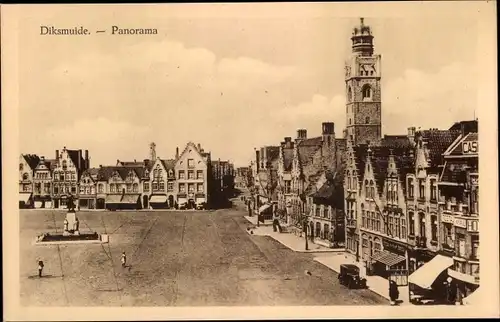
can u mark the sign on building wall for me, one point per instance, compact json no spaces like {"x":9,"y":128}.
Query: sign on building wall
{"x":470,"y":147}
{"x":393,"y":246}
{"x":447,"y":219}
{"x":460,"y":222}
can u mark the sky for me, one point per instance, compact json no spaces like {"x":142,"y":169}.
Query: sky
{"x":230,"y":77}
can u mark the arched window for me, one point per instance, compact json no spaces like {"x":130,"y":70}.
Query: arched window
{"x":367,"y":92}
{"x":25,"y":176}
{"x":21,"y":167}
{"x":349,"y":94}
{"x":64,"y":163}
{"x":372,"y":189}
{"x":135,"y":187}
{"x":101,"y":188}
{"x":348,"y":180}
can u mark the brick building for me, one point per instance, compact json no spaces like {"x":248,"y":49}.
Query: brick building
{"x":458,"y":187}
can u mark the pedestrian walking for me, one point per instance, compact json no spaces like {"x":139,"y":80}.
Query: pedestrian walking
{"x":40,"y":268}
{"x":124,"y":260}
{"x":393,"y":292}
{"x":276,"y":222}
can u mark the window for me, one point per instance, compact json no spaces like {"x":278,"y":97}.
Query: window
{"x":146,"y":186}
{"x":200,"y":187}
{"x":190,"y":174}
{"x":182,"y":187}
{"x":367,"y":92}
{"x":55,"y":176}
{"x":377,"y":247}
{"x":191,"y":188}
{"x":317,"y":211}
{"x":181,"y":174}
{"x":412,"y":223}
{"x":73,"y":177}
{"x":46,"y":187}
{"x":25,"y":176}
{"x":135,"y":187}
{"x":199,"y":174}
{"x":129,"y":187}
{"x":475,"y":247}
{"x":474,"y":201}
{"x":100,"y":188}
{"x":403,"y":228}
{"x":422,"y":224}
{"x":410,"y":188}
{"x":372,"y":190}
{"x":162,"y":186}
{"x":92,"y":189}
{"x":433,"y":189}
{"x":56,"y":190}
{"x":155,"y":186}
{"x":112,"y":187}
{"x":61,"y":176}
{"x":73,"y":189}
{"x":367,"y":120}
{"x":461,"y":245}
{"x":434,"y":228}
{"x":82,"y":189}
{"x":325,"y":212}
{"x":326,"y":232}
{"x":421,"y":188}
{"x":170,"y":186}
{"x":349,"y":94}
{"x":21,"y":167}
{"x":64,"y":164}
{"x":190,"y":163}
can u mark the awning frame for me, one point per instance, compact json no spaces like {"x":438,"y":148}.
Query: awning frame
{"x":427,"y":274}
{"x":387,"y":258}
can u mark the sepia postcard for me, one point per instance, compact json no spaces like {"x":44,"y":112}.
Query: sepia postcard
{"x":249,"y":161}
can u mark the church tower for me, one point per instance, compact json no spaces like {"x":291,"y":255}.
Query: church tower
{"x":363,"y":97}
{"x":152,"y":151}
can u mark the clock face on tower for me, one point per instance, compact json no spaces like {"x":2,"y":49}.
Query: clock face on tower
{"x":367,"y":70}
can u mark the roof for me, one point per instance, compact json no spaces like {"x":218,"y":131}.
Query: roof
{"x":467,"y":126}
{"x":395,"y":141}
{"x":92,"y":172}
{"x":437,"y":142}
{"x":306,"y":149}
{"x":457,"y":148}
{"x":331,"y":192}
{"x":169,"y":164}
{"x":360,"y":153}
{"x":73,"y":155}
{"x":32,"y":160}
{"x":131,"y":164}
{"x":105,"y":172}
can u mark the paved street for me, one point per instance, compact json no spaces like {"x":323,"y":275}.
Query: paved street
{"x":175,"y":259}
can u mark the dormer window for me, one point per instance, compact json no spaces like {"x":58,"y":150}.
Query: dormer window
{"x":64,"y":164}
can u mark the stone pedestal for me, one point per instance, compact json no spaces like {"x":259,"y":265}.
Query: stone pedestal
{"x":66,"y":233}
{"x":76,"y":233}
{"x":71,"y":218}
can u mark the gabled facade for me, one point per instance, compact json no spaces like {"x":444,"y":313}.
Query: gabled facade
{"x":88,"y":189}
{"x":192,"y":176}
{"x":27,"y":165}
{"x":43,"y":183}
{"x":70,"y":164}
{"x":284,"y":175}
{"x":163,"y":187}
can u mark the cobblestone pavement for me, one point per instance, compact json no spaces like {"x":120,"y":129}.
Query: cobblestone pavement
{"x":174,"y":259}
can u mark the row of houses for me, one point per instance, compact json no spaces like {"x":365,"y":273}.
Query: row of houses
{"x":189,"y":180}
{"x":404,"y":206}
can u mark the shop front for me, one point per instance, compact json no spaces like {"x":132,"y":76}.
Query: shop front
{"x":42,"y":202}
{"x":158,"y":201}
{"x":390,"y":262}
{"x":431,"y":280}
{"x":25,"y":200}
{"x":466,"y":284}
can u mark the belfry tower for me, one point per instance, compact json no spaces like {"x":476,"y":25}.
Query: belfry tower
{"x":363,"y":91}
{"x":152,"y":151}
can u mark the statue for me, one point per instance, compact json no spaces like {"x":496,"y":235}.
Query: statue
{"x":71,"y":203}
{"x":76,"y":224}
{"x":66,"y":225}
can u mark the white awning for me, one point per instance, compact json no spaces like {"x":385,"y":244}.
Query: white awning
{"x":427,"y":274}
{"x":200,"y":199}
{"x":472,"y":299}
{"x":463,"y":277}
{"x":24,"y":197}
{"x":158,"y":199}
{"x":264,"y":207}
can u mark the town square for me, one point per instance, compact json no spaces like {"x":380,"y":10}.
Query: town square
{"x":260,"y":162}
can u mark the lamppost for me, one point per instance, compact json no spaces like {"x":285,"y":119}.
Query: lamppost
{"x":304,"y":219}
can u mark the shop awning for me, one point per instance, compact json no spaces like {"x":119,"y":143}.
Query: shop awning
{"x":130,"y":198}
{"x":388,"y":258}
{"x":158,"y":199}
{"x":427,"y":274}
{"x":474,"y":298}
{"x":113,"y":199}
{"x":200,"y":199}
{"x":264,"y":208}
{"x":463,"y":277}
{"x":24,"y":197}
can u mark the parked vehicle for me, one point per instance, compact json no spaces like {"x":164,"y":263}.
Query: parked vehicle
{"x":349,"y":276}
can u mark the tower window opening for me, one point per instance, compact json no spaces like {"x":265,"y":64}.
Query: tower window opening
{"x":367,"y":92}
{"x":371,"y":72}
{"x":367,"y":120}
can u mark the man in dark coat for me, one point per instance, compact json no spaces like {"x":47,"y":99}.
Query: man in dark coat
{"x":393,"y":292}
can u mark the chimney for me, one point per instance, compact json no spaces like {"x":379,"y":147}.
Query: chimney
{"x":301,"y":134}
{"x":117,"y":162}
{"x":87,"y":162}
{"x":100,"y":165}
{"x":42,"y":158}
{"x":411,"y":134}
{"x":57,"y":155}
{"x":328,"y":128}
{"x":177,"y":153}
{"x":80,"y":160}
{"x":199,"y":147}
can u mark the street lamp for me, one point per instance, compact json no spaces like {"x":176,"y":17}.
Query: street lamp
{"x":304,"y":219}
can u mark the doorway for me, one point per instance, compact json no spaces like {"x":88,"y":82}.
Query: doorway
{"x":145,"y":202}
{"x":171,"y":201}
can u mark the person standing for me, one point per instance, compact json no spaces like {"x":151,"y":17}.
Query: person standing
{"x":40,"y":268}
{"x":393,"y":292}
{"x":124,"y":260}
{"x":276,"y":222}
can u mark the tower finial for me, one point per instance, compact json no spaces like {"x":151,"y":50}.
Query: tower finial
{"x":362,"y":21}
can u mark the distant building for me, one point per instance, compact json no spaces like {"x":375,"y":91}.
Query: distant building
{"x":43,"y":183}
{"x":27,"y":166}
{"x":241,"y":177}
{"x":88,"y":189}
{"x":163,"y":192}
{"x":69,"y":166}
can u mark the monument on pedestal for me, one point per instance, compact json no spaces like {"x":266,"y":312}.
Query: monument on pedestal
{"x":71,"y":223}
